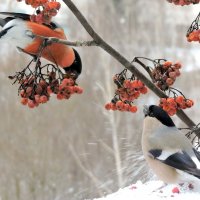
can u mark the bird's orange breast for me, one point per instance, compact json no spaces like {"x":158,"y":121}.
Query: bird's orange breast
{"x":56,"y":53}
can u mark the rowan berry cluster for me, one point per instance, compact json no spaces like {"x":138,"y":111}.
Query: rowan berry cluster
{"x":164,"y":75}
{"x":172,"y":105}
{"x":45,"y":10}
{"x":37,"y":87}
{"x":183,"y":2}
{"x":127,"y":91}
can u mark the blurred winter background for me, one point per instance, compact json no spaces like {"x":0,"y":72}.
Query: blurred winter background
{"x":75,"y":149}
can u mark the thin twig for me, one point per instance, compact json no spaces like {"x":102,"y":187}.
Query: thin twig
{"x":146,"y":68}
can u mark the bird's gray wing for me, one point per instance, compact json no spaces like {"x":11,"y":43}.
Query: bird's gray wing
{"x":180,"y":160}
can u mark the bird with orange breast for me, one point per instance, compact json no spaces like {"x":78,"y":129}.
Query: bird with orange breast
{"x":16,"y":28}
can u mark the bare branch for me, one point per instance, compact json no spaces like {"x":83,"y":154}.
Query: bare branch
{"x":69,"y":43}
{"x":50,"y":40}
{"x":121,"y":59}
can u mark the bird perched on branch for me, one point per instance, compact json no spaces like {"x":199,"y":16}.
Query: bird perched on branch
{"x":167,"y":151}
{"x":16,"y":28}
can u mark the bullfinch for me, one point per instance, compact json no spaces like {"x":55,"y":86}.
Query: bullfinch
{"x":168,"y":152}
{"x":16,"y":28}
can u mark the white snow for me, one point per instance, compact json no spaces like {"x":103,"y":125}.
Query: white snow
{"x":156,"y":190}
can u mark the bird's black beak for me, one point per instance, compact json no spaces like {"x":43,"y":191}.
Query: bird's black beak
{"x":146,"y":110}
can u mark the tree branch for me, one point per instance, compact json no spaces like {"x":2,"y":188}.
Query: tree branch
{"x":50,"y":40}
{"x":121,"y":59}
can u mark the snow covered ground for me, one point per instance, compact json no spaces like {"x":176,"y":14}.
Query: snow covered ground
{"x":152,"y":191}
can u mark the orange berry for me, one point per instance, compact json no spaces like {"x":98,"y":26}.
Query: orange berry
{"x":78,"y":89}
{"x":43,"y":99}
{"x":29,"y":91}
{"x":140,"y":84}
{"x":134,"y":84}
{"x":163,"y":100}
{"x":166,"y":107}
{"x":179,"y":99}
{"x":108,"y":106}
{"x":167,"y":64}
{"x":24,"y":101}
{"x":37,"y":98}
{"x":52,"y":5}
{"x":31,"y":103}
{"x":178,"y":73}
{"x":133,"y":109}
{"x":69,"y":90}
{"x":171,"y":112}
{"x":189,"y":103}
{"x":177,"y":65}
{"x":127,"y":107}
{"x":143,"y":90}
{"x":131,"y":98}
{"x":60,"y":96}
{"x":170,"y":100}
{"x":22,"y":93}
{"x":127,"y":84}
{"x":169,"y":81}
{"x":172,"y":75}
{"x":119,"y":104}
{"x":136,"y":94}
{"x":67,"y":96}
{"x":113,"y":106}
{"x":65,"y":82}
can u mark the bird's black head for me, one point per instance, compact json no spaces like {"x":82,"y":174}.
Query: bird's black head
{"x":76,"y":66}
{"x":159,"y":114}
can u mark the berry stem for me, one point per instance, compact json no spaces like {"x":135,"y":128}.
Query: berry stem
{"x":136,"y":59}
{"x":194,"y":26}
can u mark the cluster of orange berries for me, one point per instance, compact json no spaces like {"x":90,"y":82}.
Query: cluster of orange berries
{"x":194,"y":36}
{"x":183,"y":2}
{"x":171,"y":105}
{"x":33,"y":94}
{"x":36,"y":88}
{"x":121,"y":106}
{"x":164,"y":75}
{"x":127,"y":91}
{"x":50,"y":9}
